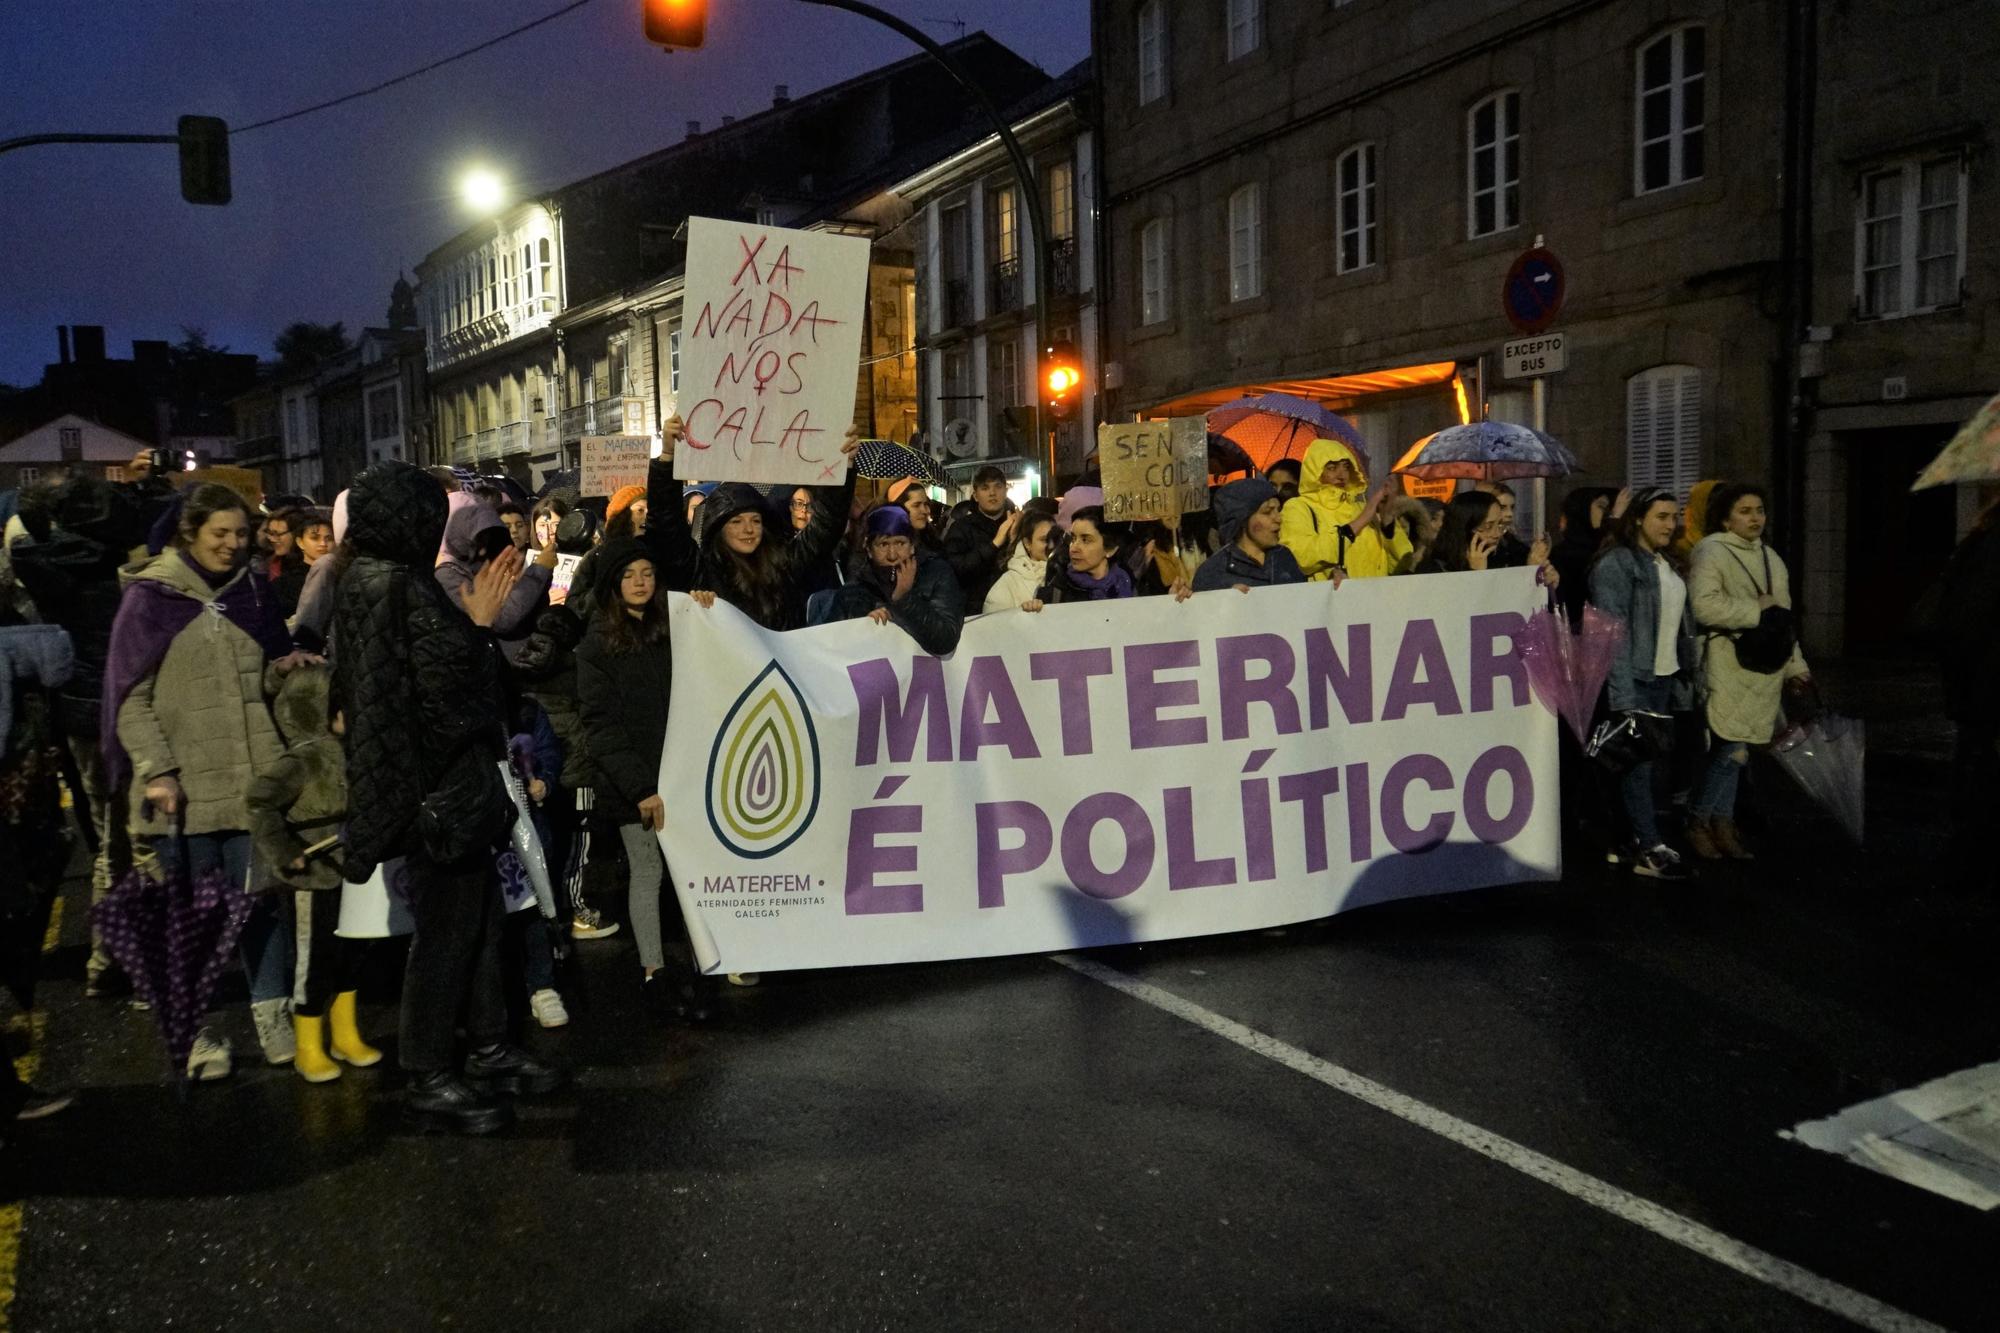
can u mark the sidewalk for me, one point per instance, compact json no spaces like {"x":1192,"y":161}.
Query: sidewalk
{"x":1902,"y":702}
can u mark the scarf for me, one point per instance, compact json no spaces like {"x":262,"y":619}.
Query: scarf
{"x":1115,"y":583}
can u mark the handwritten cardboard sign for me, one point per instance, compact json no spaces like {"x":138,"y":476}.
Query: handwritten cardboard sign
{"x":770,"y":352}
{"x":565,"y":571}
{"x":1153,"y":469}
{"x":611,"y":462}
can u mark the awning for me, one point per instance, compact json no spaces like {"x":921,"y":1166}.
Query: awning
{"x":1336,"y":391}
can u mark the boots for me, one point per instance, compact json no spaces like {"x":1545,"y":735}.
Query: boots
{"x":1701,"y":838}
{"x":309,"y":1035}
{"x":274,"y":1029}
{"x":444,"y":1101}
{"x":510,"y":1069}
{"x":1729,"y":840}
{"x":347,"y":1043}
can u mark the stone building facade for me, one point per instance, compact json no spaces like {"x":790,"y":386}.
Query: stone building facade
{"x":1327,"y":197}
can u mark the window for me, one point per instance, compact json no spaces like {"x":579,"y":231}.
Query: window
{"x":956,"y":241}
{"x":1663,"y":428}
{"x":1153,"y":272}
{"x":528,"y":272}
{"x":1062,"y":201}
{"x":1246,"y":27}
{"x":492,"y":283}
{"x":114,"y":472}
{"x":510,"y":287}
{"x":1246,"y":243}
{"x":1003,"y":371}
{"x":1152,"y":51}
{"x":1672,"y":112}
{"x":546,"y":284}
{"x":674,"y":361}
{"x":1354,"y":188}
{"x":957,"y":382}
{"x":383,"y":419}
{"x":1909,"y":237}
{"x":616,"y":375}
{"x":1493,"y":165}
{"x":69,"y":441}
{"x":1006,"y":225}
{"x":292,"y":422}
{"x":27,"y":476}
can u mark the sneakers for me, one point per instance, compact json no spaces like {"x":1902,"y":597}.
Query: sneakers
{"x":102,"y":979}
{"x":547,"y":1007}
{"x":210,"y":1058}
{"x":590,"y":925}
{"x":274,"y":1030}
{"x":1659,"y":862}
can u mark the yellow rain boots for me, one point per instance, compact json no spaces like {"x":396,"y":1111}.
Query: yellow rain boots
{"x":311,"y":1061}
{"x":347,"y":1043}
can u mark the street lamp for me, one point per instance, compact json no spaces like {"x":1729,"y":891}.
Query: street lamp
{"x":482,"y":190}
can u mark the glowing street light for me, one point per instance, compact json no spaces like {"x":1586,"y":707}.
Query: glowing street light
{"x":482,"y":190}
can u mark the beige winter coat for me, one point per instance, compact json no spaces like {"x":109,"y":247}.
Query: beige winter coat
{"x":201,"y":715}
{"x":1726,"y":580}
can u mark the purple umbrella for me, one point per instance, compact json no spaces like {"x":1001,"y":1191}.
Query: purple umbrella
{"x":1272,"y":426}
{"x":1486,"y":451}
{"x":173,"y":937}
{"x":1566,"y":670}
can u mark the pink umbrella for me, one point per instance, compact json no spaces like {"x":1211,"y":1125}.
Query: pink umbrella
{"x":1567,"y":670}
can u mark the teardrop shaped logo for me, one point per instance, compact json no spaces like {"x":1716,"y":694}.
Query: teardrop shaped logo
{"x":763,"y":771}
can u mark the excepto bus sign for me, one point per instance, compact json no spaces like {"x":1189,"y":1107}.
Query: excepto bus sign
{"x":1526,"y":358}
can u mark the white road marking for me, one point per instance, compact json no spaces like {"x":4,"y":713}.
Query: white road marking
{"x":1943,"y":1136}
{"x":1748,"y":1260}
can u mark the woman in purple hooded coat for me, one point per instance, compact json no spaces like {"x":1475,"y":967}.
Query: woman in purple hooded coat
{"x":197,"y":650}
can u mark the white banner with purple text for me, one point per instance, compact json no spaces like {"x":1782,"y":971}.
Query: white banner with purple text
{"x":1101,"y":773}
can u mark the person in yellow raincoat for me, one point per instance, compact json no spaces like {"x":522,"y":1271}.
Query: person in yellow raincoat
{"x":1331,"y":524}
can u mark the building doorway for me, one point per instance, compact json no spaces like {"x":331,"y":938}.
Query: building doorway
{"x":1898,"y":543}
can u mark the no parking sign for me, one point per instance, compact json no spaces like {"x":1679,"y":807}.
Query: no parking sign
{"x":1532,"y":295}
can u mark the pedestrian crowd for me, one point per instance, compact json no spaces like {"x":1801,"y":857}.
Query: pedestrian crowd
{"x":314,"y":704}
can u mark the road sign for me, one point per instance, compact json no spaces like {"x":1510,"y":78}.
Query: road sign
{"x":1543,"y":354}
{"x":1532,"y":296}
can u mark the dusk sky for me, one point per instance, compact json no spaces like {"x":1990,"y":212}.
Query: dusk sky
{"x":329,"y":207}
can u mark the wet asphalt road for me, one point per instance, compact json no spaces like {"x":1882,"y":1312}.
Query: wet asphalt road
{"x":1009,"y":1144}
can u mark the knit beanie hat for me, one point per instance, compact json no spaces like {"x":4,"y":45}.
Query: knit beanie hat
{"x":622,"y":499}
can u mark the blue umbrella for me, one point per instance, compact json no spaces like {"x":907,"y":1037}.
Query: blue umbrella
{"x":1272,"y":426}
{"x":1486,"y":451}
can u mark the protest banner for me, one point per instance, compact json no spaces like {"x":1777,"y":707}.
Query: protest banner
{"x":770,"y":352}
{"x":1101,"y":773}
{"x":612,"y":462}
{"x":1153,"y":469}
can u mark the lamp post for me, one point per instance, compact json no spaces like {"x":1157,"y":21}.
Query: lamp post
{"x":1024,"y":175}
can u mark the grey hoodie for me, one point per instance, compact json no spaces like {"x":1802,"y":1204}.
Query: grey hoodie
{"x":462,"y":534}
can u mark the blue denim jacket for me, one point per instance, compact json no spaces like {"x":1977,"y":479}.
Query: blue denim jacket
{"x":1624,"y":585}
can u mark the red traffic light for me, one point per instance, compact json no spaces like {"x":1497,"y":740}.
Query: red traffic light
{"x":1062,"y":380}
{"x":676,"y":24}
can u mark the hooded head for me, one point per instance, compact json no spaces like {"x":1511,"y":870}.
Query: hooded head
{"x":1313,"y":467}
{"x":396,"y":512}
{"x":612,"y":559}
{"x":1695,"y":520}
{"x":474,"y":534}
{"x":1577,"y":529}
{"x":1231,"y":506}
{"x":301,"y":708}
{"x":726,"y":502}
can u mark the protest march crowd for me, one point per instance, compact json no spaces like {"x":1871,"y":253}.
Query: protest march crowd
{"x":300,"y":702}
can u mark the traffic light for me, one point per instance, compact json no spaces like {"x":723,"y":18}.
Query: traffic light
{"x":1062,"y":380}
{"x":676,"y":24}
{"x":204,"y":160}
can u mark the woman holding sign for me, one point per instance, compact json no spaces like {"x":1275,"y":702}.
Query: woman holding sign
{"x":758,"y":571}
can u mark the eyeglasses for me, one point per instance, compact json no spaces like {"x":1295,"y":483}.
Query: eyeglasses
{"x":799,"y":505}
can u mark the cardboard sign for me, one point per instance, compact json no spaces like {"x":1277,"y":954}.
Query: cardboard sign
{"x":565,"y":571}
{"x":770,"y":352}
{"x":611,"y":462}
{"x":1153,"y":469}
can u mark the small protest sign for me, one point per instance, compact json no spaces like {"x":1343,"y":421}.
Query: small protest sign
{"x":565,"y":571}
{"x":1153,"y":469}
{"x":611,"y":462}
{"x":770,"y":352}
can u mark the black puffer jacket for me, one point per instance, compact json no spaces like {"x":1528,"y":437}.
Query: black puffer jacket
{"x":933,"y":611}
{"x":623,"y":695}
{"x":420,"y":682}
{"x":968,"y":544}
{"x":546,"y":666}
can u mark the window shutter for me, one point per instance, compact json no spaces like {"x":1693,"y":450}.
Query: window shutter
{"x":1640,"y":432}
{"x":1687,"y":436}
{"x":1663,"y":428}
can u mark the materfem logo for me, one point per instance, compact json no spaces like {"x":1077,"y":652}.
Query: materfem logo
{"x":763,"y":771}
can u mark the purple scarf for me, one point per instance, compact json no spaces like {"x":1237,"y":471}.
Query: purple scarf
{"x":152,"y":614}
{"x":1115,"y":583}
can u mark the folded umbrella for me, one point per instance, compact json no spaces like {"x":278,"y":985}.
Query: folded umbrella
{"x":1567,"y":670}
{"x":1973,"y":454}
{"x":1827,"y":757}
{"x":1273,"y":426}
{"x":173,"y":937}
{"x":1486,"y":451}
{"x":885,"y":460}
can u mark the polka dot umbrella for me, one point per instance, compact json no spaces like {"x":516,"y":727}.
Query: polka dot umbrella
{"x":1486,"y":451}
